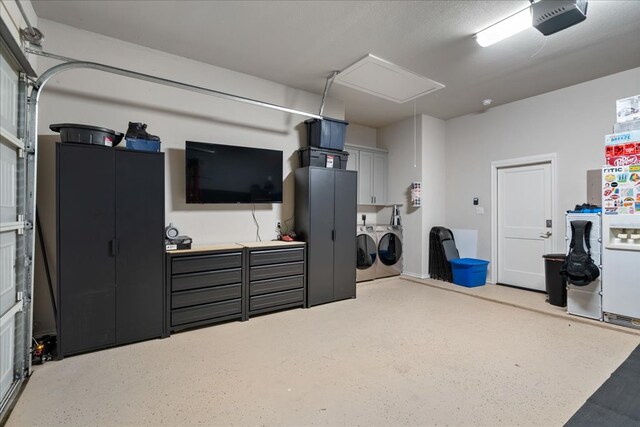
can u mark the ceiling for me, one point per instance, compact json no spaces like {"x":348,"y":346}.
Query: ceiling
{"x":299,"y":43}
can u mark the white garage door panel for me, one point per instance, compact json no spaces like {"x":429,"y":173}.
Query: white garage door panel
{"x":9,"y":98}
{"x":7,"y":270}
{"x":12,"y":182}
{"x":8,"y":187}
{"x":6,"y":354}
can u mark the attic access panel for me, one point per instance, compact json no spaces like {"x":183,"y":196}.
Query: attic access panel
{"x":386,"y":80}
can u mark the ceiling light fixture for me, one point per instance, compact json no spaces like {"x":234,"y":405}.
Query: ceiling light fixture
{"x":517,"y":22}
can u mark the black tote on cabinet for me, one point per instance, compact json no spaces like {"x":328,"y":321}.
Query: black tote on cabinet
{"x":110,"y":216}
{"x":325,"y":218}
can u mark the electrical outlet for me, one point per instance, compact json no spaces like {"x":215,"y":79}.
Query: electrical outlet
{"x":278,"y":226}
{"x":479,"y":210}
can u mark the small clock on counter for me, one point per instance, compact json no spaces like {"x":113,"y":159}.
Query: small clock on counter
{"x":173,"y":241}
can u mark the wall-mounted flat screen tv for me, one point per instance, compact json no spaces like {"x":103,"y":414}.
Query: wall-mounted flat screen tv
{"x":217,"y":173}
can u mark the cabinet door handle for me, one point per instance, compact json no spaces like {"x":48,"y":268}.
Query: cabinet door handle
{"x":114,"y":247}
{"x":333,"y":235}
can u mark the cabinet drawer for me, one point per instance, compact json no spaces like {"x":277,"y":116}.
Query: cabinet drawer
{"x":273,"y":300}
{"x":204,"y":280}
{"x":192,"y":264}
{"x":276,"y":256}
{"x":207,"y":295}
{"x":205,"y":311}
{"x":276,"y":285}
{"x":277,"y":270}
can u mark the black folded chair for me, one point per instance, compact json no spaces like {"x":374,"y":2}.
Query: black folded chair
{"x":442,"y":249}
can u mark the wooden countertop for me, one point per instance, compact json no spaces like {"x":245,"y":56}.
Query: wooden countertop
{"x":204,"y":248}
{"x":270,"y":243}
{"x":237,"y":246}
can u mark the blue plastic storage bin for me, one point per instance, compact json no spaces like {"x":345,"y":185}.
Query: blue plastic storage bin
{"x":469,"y":272}
{"x":143,"y":145}
{"x":326,"y":133}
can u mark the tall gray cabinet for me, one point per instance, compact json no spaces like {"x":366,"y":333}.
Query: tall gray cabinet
{"x":325,"y":218}
{"x":110,"y":247}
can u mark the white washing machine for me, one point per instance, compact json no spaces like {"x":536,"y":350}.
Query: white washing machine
{"x":389,"y":250}
{"x":367,"y":253}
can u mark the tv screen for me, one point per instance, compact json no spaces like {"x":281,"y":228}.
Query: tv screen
{"x":217,"y":173}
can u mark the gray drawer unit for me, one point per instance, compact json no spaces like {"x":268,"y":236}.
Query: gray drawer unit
{"x":188,"y":281}
{"x":262,"y":287}
{"x":195,"y":263}
{"x":276,"y":270}
{"x":276,"y":256}
{"x":276,"y":299}
{"x":203,"y":296}
{"x":205,"y":312}
{"x":205,"y":287}
{"x":276,"y":278}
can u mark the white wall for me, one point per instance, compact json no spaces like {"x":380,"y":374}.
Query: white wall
{"x":416,"y":153}
{"x":571,"y":122}
{"x":404,"y":166}
{"x":361,"y":135}
{"x":93,"y":97}
{"x":433,"y":177}
{"x":98,"y":98}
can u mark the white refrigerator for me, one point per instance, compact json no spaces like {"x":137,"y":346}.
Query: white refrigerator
{"x":621,"y":245}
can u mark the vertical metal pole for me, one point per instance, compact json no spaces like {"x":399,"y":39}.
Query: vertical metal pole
{"x":30,"y":208}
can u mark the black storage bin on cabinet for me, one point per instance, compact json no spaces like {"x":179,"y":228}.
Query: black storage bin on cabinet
{"x":311,"y":156}
{"x":326,"y":133}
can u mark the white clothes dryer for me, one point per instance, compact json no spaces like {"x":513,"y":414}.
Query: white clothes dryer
{"x":367,"y":253}
{"x":389,"y":250}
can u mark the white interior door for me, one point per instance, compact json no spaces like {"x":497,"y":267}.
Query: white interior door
{"x":525,"y":214}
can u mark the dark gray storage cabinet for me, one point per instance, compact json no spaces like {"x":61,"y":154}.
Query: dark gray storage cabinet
{"x":110,"y":248}
{"x":276,"y":276}
{"x":325,"y":218}
{"x":205,"y":286}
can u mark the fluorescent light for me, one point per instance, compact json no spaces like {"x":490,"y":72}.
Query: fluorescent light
{"x":505,"y":28}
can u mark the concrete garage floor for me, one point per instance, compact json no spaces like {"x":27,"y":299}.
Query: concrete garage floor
{"x":402,"y":353}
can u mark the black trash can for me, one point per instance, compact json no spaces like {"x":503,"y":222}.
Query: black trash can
{"x":555,"y":284}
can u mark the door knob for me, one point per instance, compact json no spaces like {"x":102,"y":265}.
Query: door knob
{"x":546,"y":235}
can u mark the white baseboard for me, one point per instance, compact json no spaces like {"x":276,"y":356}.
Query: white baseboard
{"x":416,"y":275}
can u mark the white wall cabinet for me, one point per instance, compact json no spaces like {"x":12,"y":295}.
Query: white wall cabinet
{"x":371,"y":165}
